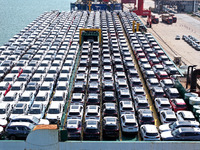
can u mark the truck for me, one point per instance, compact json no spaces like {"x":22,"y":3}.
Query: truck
{"x":173,"y":17}
{"x":166,"y":18}
{"x":154,"y":19}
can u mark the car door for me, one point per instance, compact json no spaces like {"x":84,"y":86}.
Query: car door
{"x":21,"y":132}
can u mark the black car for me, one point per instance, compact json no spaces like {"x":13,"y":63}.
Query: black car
{"x":16,"y":130}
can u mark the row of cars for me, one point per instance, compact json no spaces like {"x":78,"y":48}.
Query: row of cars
{"x":192,"y":41}
{"x":115,"y":105}
{"x":36,"y":85}
{"x":167,"y":101}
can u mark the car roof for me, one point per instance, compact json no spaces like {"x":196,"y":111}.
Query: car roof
{"x":28,"y":124}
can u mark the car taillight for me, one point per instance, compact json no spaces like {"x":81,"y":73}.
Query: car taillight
{"x":146,"y":137}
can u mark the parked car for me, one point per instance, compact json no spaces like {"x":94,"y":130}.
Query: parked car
{"x":31,"y":119}
{"x":16,"y":130}
{"x":109,"y":109}
{"x":129,"y":124}
{"x":91,"y":129}
{"x":185,"y":115}
{"x":157,"y":92}
{"x":178,"y":124}
{"x":37,"y":110}
{"x":110,"y":127}
{"x":126,"y":107}
{"x":5,"y":110}
{"x":108,"y":96}
{"x":78,"y":98}
{"x":178,"y":104}
{"x":141,"y":103}
{"x":92,"y":112}
{"x":162,"y":103}
{"x":167,"y":83}
{"x":152,"y":82}
{"x":75,"y":112}
{"x":54,"y":112}
{"x":149,"y":132}
{"x":74,"y":129}
{"x":145,"y":116}
{"x":19,"y":109}
{"x":172,"y":93}
{"x":167,"y":116}
{"x":182,"y":134}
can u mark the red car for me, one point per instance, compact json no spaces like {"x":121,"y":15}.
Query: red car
{"x":162,"y":75}
{"x":178,"y":104}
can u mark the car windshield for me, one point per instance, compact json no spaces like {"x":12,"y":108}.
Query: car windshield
{"x":40,"y":99}
{"x":54,"y":111}
{"x":2,"y":111}
{"x":35,"y":111}
{"x":91,"y":130}
{"x":61,"y":88}
{"x":15,"y":88}
{"x":180,"y":105}
{"x":8,"y":99}
{"x":171,"y":119}
{"x":24,"y":99}
{"x":18,"y":111}
{"x":2,"y":88}
{"x":58,"y":98}
{"x":152,"y":134}
{"x":130,"y":124}
{"x":44,"y":88}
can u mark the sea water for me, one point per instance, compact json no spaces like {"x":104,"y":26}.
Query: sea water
{"x":16,"y":14}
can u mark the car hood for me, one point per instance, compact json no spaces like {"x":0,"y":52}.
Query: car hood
{"x":167,"y":135}
{"x":3,"y":116}
{"x":53,"y":116}
{"x":164,"y":127}
{"x":44,"y":121}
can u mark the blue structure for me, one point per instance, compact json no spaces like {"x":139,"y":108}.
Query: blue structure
{"x":109,"y":7}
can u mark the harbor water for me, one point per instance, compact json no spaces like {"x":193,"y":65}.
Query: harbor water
{"x":16,"y":14}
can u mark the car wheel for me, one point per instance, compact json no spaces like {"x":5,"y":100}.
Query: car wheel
{"x":12,"y":137}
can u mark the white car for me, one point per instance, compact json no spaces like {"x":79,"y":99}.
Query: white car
{"x":92,"y":112}
{"x":129,"y":123}
{"x":184,"y":115}
{"x":126,"y":107}
{"x":178,"y":124}
{"x":37,"y":110}
{"x":11,"y":97}
{"x":19,"y":109}
{"x":149,"y":133}
{"x":167,"y":116}
{"x":5,"y":110}
{"x":75,"y":112}
{"x":54,"y":112}
{"x":162,"y":104}
{"x":42,"y":98}
{"x":59,"y":97}
{"x":32,"y":119}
